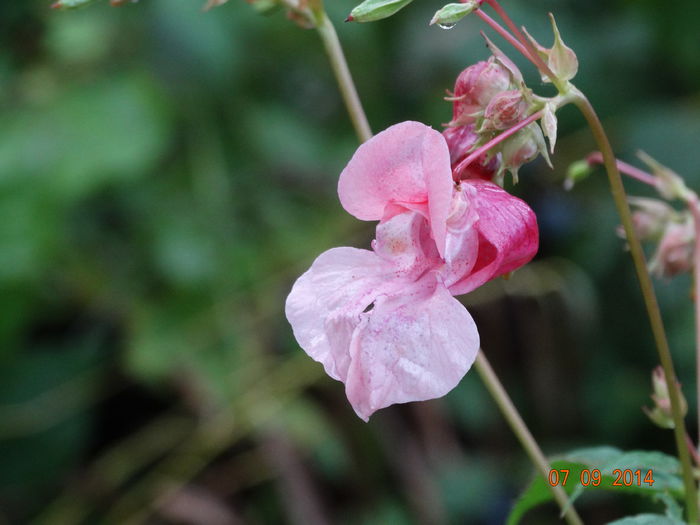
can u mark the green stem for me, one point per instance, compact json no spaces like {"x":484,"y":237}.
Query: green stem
{"x":692,"y":203}
{"x":517,"y":425}
{"x":652,"y":306}
{"x":342,"y":74}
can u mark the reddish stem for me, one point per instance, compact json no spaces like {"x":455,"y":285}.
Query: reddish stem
{"x":505,"y":34}
{"x":532,"y":52}
{"x":494,"y":141}
{"x":642,"y":176}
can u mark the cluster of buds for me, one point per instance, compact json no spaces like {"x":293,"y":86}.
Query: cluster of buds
{"x":489,"y":98}
{"x":661,"y":414}
{"x":656,"y":221}
{"x":673,"y":231}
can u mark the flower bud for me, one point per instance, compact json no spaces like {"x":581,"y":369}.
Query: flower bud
{"x":504,"y":110}
{"x":371,"y":10}
{"x":450,"y":14}
{"x":650,"y":217}
{"x":475,"y":87}
{"x":675,"y":252}
{"x":577,"y":171}
{"x":460,"y":142}
{"x":661,"y":413}
{"x":71,"y":4}
{"x":668,"y":183}
{"x":213,"y":3}
{"x":522,"y":148}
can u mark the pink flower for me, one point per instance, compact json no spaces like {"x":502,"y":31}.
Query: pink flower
{"x":384,"y":322}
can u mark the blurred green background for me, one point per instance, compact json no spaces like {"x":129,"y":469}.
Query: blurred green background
{"x":166,"y":174}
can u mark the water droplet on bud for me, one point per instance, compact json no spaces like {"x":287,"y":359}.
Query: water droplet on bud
{"x":446,"y":26}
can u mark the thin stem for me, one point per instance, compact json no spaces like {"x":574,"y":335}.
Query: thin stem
{"x":496,"y":140}
{"x":544,"y":68}
{"x":505,"y":34}
{"x":695,"y":211}
{"x":517,"y":425}
{"x":652,"y":306}
{"x":342,"y":74}
{"x":627,"y":169}
{"x":692,"y":449}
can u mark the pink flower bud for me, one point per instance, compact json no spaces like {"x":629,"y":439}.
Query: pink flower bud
{"x":650,"y":217}
{"x":461,"y":141}
{"x":475,"y":87}
{"x":522,"y":148}
{"x":504,"y":110}
{"x":661,"y":413}
{"x":675,"y":252}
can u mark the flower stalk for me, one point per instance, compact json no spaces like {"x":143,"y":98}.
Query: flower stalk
{"x":328,"y":35}
{"x":694,"y":206}
{"x":532,"y":52}
{"x":517,"y":425}
{"x":652,"y":306}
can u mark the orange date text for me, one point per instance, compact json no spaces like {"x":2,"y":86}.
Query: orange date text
{"x":594,"y":478}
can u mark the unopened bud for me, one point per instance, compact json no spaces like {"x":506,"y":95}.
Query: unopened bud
{"x":371,"y":10}
{"x":71,"y":4}
{"x":675,"y":252}
{"x":213,"y":3}
{"x":578,"y":171}
{"x":522,"y":148}
{"x":460,"y":142}
{"x":668,"y":183}
{"x":475,"y":87}
{"x":504,"y":110}
{"x":661,"y":413}
{"x":450,"y":14}
{"x":650,"y":217}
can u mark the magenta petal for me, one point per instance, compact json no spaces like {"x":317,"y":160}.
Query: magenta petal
{"x":326,"y":302}
{"x":508,"y":235}
{"x":410,"y":347}
{"x":405,"y":165}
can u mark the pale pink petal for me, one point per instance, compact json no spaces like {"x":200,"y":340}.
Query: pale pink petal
{"x":508,"y":235}
{"x":406,"y":165}
{"x":325,"y":303}
{"x":462,"y":242}
{"x":410,"y":347}
{"x":404,"y":243}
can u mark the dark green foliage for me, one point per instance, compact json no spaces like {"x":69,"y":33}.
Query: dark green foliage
{"x":165,"y":175}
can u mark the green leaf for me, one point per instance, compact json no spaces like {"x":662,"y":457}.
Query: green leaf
{"x":450,"y":14}
{"x":647,"y":519}
{"x":607,"y":460}
{"x":371,"y":10}
{"x":538,"y":492}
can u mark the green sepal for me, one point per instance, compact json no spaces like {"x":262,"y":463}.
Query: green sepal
{"x":371,"y":10}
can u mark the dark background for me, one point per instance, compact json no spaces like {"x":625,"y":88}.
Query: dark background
{"x":166,"y":174}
